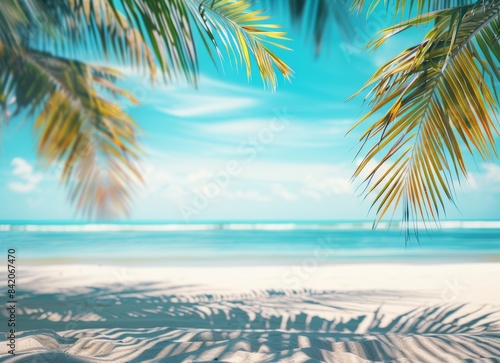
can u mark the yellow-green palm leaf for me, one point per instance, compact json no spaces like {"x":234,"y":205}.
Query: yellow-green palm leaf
{"x":437,"y":101}
{"x":245,"y":34}
{"x":92,"y":140}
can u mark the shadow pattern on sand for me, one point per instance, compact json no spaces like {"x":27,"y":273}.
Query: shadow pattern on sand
{"x":260,"y":326}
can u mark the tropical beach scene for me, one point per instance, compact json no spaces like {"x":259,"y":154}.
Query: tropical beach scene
{"x":249,"y":181}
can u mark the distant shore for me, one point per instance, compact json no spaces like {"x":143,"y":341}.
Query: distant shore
{"x":158,"y":226}
{"x":249,"y":244}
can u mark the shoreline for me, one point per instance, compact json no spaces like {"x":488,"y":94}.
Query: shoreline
{"x":202,"y":262}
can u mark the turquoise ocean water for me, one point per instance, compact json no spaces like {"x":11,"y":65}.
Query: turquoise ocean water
{"x":247,"y":243}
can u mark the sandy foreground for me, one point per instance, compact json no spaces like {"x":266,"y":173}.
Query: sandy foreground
{"x":305,"y":313}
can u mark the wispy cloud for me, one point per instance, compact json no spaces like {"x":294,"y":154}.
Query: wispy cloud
{"x":242,"y":127}
{"x":328,"y":186}
{"x":224,"y":85}
{"x":492,"y":172}
{"x":260,"y":181}
{"x":212,"y":98}
{"x":486,"y":182}
{"x":179,"y":99}
{"x":248,"y":194}
{"x":27,"y":181}
{"x":203,"y":106}
{"x":287,"y":134}
{"x":282,"y":192}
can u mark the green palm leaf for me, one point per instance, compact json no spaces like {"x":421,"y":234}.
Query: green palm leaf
{"x":437,"y":100}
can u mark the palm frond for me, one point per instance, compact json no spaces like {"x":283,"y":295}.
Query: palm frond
{"x":437,"y":99}
{"x":403,"y":7}
{"x":149,"y":34}
{"x":146,"y":34}
{"x":168,"y":27}
{"x":244,"y":32}
{"x":92,"y":138}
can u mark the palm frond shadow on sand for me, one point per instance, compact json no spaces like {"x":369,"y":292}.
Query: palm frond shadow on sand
{"x":202,"y":327}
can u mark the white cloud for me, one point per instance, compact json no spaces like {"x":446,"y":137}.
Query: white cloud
{"x":28,"y":180}
{"x":281,"y":192}
{"x":176,"y":181}
{"x":372,"y":165}
{"x":244,"y":127}
{"x":250,"y":194}
{"x":492,"y":172}
{"x":212,"y":98}
{"x":183,"y":187}
{"x":175,"y":186}
{"x":196,"y":106}
{"x":332,"y":185}
{"x":293,"y":132}
{"x":487,"y":182}
{"x":180,"y":99}
{"x":201,"y":176}
{"x":468,"y":183}
{"x":223,"y":85}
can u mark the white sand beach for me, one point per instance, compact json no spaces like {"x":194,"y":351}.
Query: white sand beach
{"x":345,"y":313}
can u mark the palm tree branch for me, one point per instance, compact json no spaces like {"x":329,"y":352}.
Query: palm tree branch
{"x":436,"y":95}
{"x":402,"y":7}
{"x":243,"y":32}
{"x":149,"y":34}
{"x":91,"y":138}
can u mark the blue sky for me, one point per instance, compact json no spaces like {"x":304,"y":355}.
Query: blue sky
{"x":232,"y":150}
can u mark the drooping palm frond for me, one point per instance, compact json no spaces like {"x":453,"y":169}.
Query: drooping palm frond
{"x":243,"y":33}
{"x":79,"y":128}
{"x":169,"y":27}
{"x":92,"y":138}
{"x":437,"y":99}
{"x":141,"y":32}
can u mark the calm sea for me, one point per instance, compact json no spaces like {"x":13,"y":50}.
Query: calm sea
{"x":247,"y":243}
